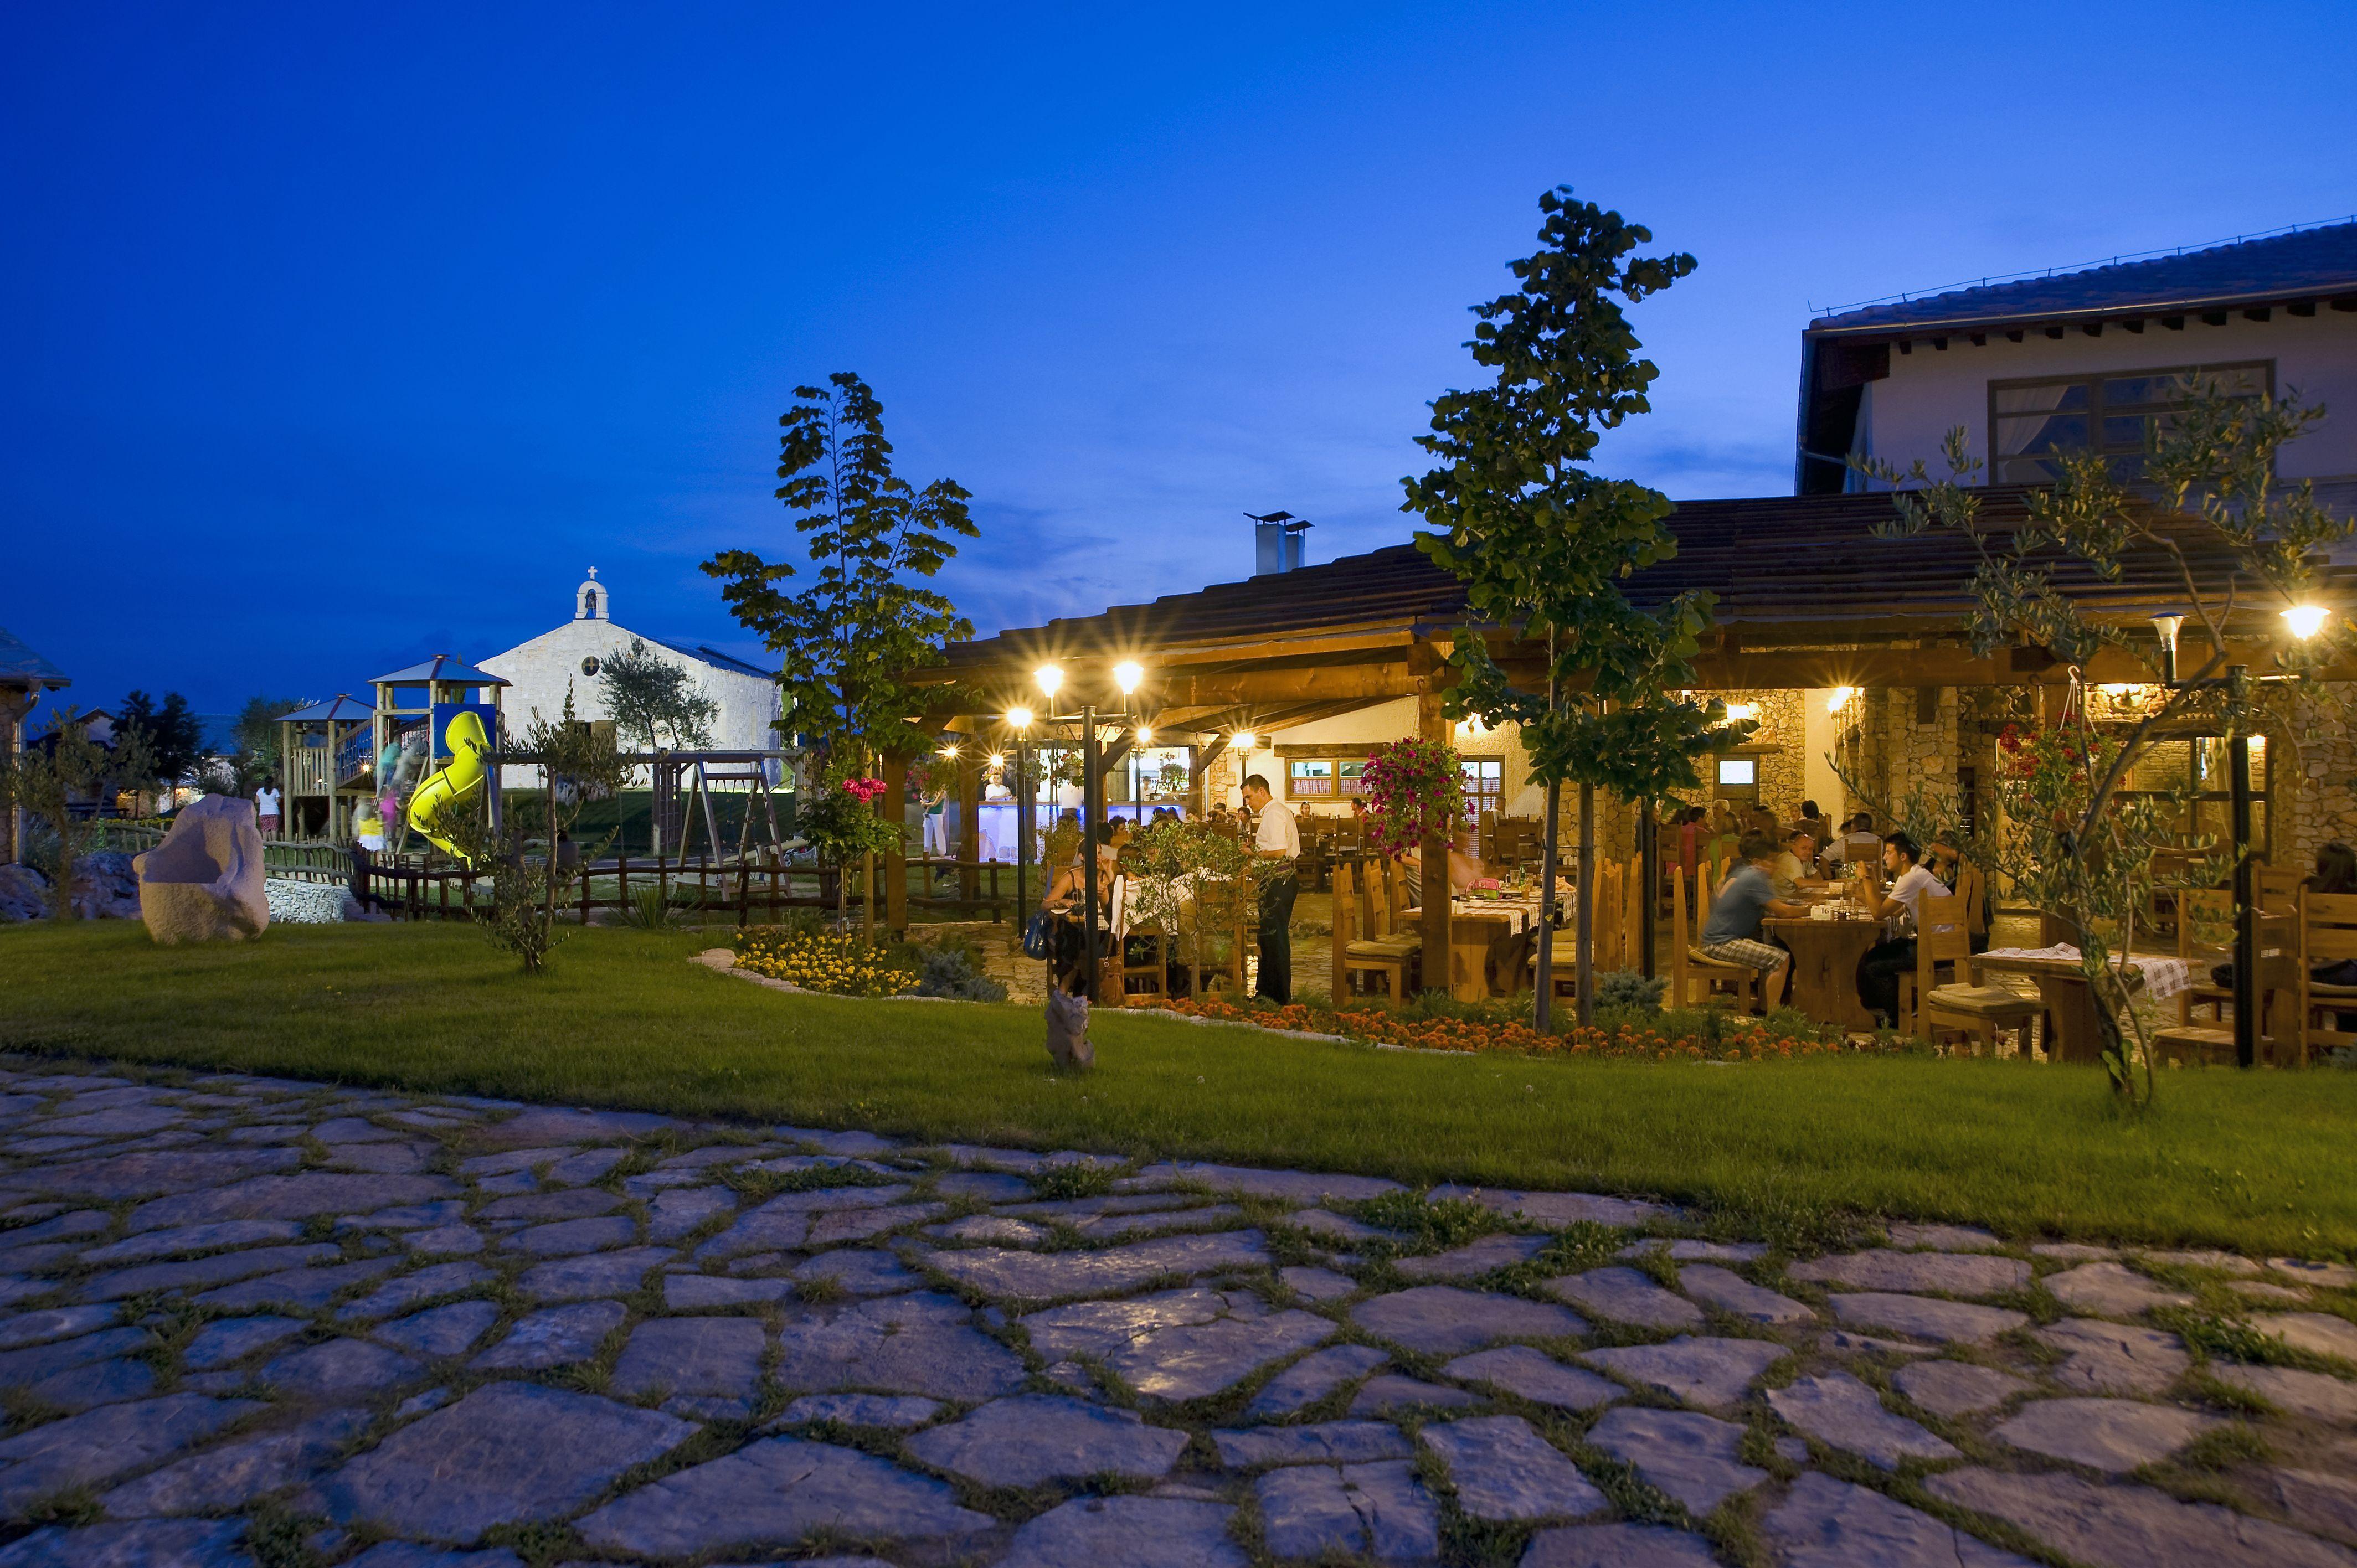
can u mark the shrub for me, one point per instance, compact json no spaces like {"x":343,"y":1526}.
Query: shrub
{"x":951,"y":971}
{"x":1626,"y":988}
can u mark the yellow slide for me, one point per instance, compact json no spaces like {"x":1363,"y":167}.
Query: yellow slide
{"x":455,"y":783}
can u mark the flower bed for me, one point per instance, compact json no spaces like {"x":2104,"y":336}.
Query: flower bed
{"x":840,"y":965}
{"x":1735,"y":1040}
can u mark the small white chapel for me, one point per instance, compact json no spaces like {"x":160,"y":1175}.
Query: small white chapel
{"x":538,"y":671}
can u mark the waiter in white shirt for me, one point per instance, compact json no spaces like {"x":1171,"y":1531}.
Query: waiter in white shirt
{"x":1276,"y":840}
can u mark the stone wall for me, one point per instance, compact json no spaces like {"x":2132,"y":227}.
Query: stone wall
{"x":2315,"y":785}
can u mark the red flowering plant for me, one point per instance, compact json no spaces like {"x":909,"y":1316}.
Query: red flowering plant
{"x":1413,"y":789}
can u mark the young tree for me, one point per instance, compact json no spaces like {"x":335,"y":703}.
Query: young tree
{"x":256,"y":733}
{"x":68,"y":767}
{"x":849,"y":642}
{"x":174,"y":736}
{"x":1543,"y":545}
{"x":656,"y":701}
{"x":2076,"y":847}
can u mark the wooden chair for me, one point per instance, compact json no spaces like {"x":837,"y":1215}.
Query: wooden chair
{"x":1696,"y":979}
{"x":2327,"y":923}
{"x":1138,"y":982}
{"x":1388,"y":952}
{"x":2205,"y":938}
{"x":1927,"y":1007}
{"x":1972,"y":887}
{"x":2281,"y":984}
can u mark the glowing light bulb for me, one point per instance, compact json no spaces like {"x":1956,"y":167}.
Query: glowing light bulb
{"x":1244,"y":740}
{"x":1839,"y":698}
{"x":1019,"y":717}
{"x":1738,"y":711}
{"x":949,"y":751}
{"x":1145,"y":734}
{"x":1127,"y":674}
{"x":2305,"y":620}
{"x":1050,"y":678}
{"x":998,"y":759}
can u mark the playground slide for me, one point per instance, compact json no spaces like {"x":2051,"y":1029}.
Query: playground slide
{"x":454,"y":784}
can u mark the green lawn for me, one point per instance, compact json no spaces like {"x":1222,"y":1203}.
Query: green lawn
{"x":2259,"y":1161}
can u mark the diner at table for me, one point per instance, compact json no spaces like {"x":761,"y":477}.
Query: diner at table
{"x":1880,"y":969}
{"x":1732,"y":934}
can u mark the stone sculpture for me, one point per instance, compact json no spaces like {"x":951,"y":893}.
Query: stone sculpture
{"x":204,"y":882}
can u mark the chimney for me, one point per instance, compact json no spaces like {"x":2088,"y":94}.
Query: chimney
{"x":1278,"y":543}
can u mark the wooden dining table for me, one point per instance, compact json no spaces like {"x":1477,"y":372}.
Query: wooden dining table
{"x":1823,"y":981}
{"x":1478,"y":928}
{"x":2075,"y":1035}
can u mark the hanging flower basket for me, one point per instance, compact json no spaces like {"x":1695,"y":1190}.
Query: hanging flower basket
{"x":1413,"y":789}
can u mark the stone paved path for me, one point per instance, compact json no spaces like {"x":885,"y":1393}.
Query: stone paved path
{"x":256,"y":1322}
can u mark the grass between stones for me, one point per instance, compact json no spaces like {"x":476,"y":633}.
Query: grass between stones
{"x":1788,"y":1150}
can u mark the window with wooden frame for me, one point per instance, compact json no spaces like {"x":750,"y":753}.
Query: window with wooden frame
{"x":2033,"y":423}
{"x":1323,"y":778}
{"x":1485,"y":784}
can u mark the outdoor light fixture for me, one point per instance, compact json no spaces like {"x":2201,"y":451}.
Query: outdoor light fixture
{"x":949,"y":751}
{"x":1019,"y":717}
{"x":2305,"y":620}
{"x":1244,"y":740}
{"x":1050,"y":679}
{"x":1128,"y":673}
{"x":1839,"y":698}
{"x":998,"y":759}
{"x":1145,"y":734}
{"x":1738,"y":711}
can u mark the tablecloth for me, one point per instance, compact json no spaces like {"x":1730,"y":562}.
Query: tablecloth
{"x":2163,"y":977}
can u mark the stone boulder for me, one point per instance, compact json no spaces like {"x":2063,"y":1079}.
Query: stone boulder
{"x":204,"y":882}
{"x":24,"y":894}
{"x":106,"y":886}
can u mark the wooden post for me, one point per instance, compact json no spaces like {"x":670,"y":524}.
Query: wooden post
{"x":896,"y":865}
{"x":1585,"y":983}
{"x":1433,"y":727}
{"x":969,"y":785}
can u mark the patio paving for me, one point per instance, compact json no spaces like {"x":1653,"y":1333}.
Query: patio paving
{"x":533,"y":1334}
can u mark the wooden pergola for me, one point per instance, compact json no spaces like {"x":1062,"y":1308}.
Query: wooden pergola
{"x":1808,"y":594}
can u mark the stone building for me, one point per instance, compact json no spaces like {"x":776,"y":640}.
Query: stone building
{"x":571,"y":657}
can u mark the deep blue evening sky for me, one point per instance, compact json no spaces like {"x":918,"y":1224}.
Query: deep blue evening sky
{"x":337,"y":336}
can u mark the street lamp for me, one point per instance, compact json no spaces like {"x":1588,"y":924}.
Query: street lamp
{"x":1050,"y":679}
{"x":2166,"y":627}
{"x":2305,"y":620}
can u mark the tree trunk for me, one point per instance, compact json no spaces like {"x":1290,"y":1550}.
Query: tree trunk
{"x":1586,"y":981}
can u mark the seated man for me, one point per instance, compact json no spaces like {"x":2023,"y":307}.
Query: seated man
{"x":1731,"y":935}
{"x":1795,"y":864}
{"x":1886,"y":961}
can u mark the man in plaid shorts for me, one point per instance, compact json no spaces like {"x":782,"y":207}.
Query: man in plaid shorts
{"x":1732,"y":933}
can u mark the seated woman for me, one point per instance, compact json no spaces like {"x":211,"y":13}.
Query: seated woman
{"x":1463,"y":869}
{"x":1066,"y":898}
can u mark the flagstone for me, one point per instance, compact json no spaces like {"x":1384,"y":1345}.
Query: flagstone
{"x":1624,"y":1295}
{"x":54,"y":1323}
{"x":381,"y":1159}
{"x":2314,"y":1501}
{"x":2117,"y":1435}
{"x":1029,"y":1439}
{"x":690,"y":1293}
{"x":440,"y":1331}
{"x":1324,"y":1443}
{"x":1732,"y":1293}
{"x":443,"y":1242}
{"x":21,"y":1367}
{"x":2327,"y":1276}
{"x":785,"y":1220}
{"x":1710,"y":1372}
{"x":112,"y":1440}
{"x":2317,"y":1333}
{"x":1927,"y":1318}
{"x":2111,"y":1289}
{"x":1506,"y":1473}
{"x":1379,"y":1509}
{"x":895,"y":1413}
{"x":1825,"y":1523}
{"x":596,"y":1274}
{"x":337,"y":1367}
{"x":1559,"y":1209}
{"x":439,"y":1212}
{"x":1393,"y":1391}
{"x":1619,"y":1546}
{"x":1499,"y":1251}
{"x":1957,"y":1387}
{"x":984,"y":1186}
{"x":919,"y":1343}
{"x":197,"y":1272}
{"x":1536,"y":1376}
{"x":1950,"y":1274}
{"x":1317,"y":1285}
{"x":296,"y":1196}
{"x":150,"y":1173}
{"x":1689,"y":1456}
{"x":1286,"y":1186}
{"x":861,"y":1271}
{"x":672,"y":1214}
{"x":546,"y":1124}
{"x":582,"y":1169}
{"x":2131,"y":1526}
{"x":1843,"y":1413}
{"x":2273,"y":1294}
{"x":1123,"y":1227}
{"x":409,"y":1289}
{"x":1098,"y":1328}
{"x":701,"y":1357}
{"x":506,"y":1454}
{"x":66,"y":1226}
{"x":2112,"y":1357}
{"x":510,"y":1161}
{"x":553,"y":1337}
{"x":2315,"y":1395}
{"x":135,"y":1543}
{"x":192,"y":1238}
{"x":1443,"y":1320}
{"x":569,"y":1238}
{"x":1135,"y":1533}
{"x":232,"y":1475}
{"x":1313,"y":1378}
{"x":1329,"y":1225}
{"x":1049,"y":1276}
{"x":578,"y":1203}
{"x":97,"y":1383}
{"x":1943,"y":1238}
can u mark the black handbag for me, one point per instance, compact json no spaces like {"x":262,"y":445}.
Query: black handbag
{"x":1038,"y":934}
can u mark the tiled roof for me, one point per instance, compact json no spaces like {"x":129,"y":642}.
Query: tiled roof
{"x":441,"y":667}
{"x":713,"y":656}
{"x":341,"y":708}
{"x":1781,"y":566}
{"x":2310,"y":263}
{"x":20,"y":666}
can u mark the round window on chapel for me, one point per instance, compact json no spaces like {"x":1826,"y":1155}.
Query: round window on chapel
{"x":589,"y":667}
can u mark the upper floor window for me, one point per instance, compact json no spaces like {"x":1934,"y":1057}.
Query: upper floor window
{"x":2032,"y":424}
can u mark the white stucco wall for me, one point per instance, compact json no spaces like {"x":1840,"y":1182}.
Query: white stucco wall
{"x":1928,"y":390}
{"x":540,"y":669}
{"x":1383,"y":722}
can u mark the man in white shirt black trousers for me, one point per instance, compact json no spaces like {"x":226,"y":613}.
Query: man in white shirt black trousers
{"x":1277,"y":839}
{"x":1878,"y":970}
